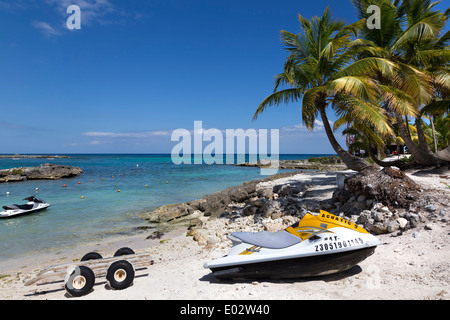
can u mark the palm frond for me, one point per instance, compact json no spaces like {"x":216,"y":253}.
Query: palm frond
{"x":358,"y":86}
{"x":276,"y":98}
{"x":436,"y":108}
{"x":367,"y":66}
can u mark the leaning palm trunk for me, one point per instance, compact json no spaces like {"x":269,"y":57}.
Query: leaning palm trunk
{"x":351,"y":161}
{"x":423,"y":158}
{"x":385,"y":164}
{"x":444,"y":154}
{"x":423,"y":144}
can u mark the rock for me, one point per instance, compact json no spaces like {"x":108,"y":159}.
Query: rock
{"x":250,"y":210}
{"x":265,"y":193}
{"x":402,"y":222}
{"x":284,"y":191}
{"x":393,"y":226}
{"x":384,"y":209}
{"x":360,"y":205}
{"x":428,"y":226}
{"x":364,"y":217}
{"x":200,"y":238}
{"x":169,"y":213}
{"x":44,"y":171}
{"x":212,"y":241}
{"x":195,"y":224}
{"x":377,"y":228}
{"x":378,"y":216}
{"x":431,"y":207}
{"x":155,"y":235}
{"x":258,"y":203}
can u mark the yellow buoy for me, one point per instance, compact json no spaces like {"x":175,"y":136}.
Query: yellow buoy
{"x":185,"y":179}
{"x":118,"y":190}
{"x":167,"y":181}
{"x":82,"y":197}
{"x":146,"y":186}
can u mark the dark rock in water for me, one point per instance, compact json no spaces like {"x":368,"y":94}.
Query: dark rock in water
{"x":44,"y":171}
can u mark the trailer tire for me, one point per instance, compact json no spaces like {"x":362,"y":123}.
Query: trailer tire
{"x":123,"y":251}
{"x":79,"y":281}
{"x":120,"y":275}
{"x":91,"y":256}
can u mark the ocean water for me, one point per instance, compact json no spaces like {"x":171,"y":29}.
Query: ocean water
{"x":104,"y":211}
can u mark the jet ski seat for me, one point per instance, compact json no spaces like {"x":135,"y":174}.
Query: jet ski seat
{"x":18,"y":206}
{"x":271,"y":240}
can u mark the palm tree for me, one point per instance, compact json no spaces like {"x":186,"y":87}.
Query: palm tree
{"x":409,"y":37}
{"x":317,"y":73}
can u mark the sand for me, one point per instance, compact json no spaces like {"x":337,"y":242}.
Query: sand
{"x":415,"y":265}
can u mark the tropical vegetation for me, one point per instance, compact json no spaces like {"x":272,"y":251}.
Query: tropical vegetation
{"x":375,"y":80}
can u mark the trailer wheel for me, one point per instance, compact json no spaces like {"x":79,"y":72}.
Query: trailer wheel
{"x":120,"y":275}
{"x":91,"y":256}
{"x":123,"y":251}
{"x":79,"y":281}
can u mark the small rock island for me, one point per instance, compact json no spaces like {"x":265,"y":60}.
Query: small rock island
{"x":44,"y":171}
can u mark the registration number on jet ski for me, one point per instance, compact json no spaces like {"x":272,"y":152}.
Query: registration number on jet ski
{"x":335,"y":244}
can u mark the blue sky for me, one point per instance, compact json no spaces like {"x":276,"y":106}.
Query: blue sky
{"x":139,"y":69}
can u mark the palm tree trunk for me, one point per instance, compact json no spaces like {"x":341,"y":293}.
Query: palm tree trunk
{"x":434,"y":134}
{"x":423,"y":144}
{"x":444,"y":154}
{"x":384,"y":164}
{"x":351,"y":161}
{"x":421,"y":157}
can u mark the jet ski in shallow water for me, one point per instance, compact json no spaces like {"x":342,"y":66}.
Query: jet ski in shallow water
{"x":316,"y":245}
{"x":34,"y":204}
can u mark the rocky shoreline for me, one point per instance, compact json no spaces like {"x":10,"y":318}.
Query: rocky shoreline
{"x":298,"y":165}
{"x":44,"y":171}
{"x":382,"y":201}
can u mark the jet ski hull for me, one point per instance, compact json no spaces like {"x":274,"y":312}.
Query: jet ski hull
{"x":18,"y":213}
{"x":32,"y":206}
{"x":310,"y":266}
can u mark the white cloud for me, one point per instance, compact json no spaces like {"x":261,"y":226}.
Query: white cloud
{"x":45,"y":28}
{"x":132,"y":134}
{"x":298,"y":128}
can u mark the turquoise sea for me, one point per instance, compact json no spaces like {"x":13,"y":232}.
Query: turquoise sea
{"x":104,"y":211}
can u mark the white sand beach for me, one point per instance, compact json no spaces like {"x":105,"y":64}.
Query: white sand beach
{"x":414,"y":265}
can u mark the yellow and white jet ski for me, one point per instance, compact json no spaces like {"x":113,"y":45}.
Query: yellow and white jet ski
{"x":316,"y":245}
